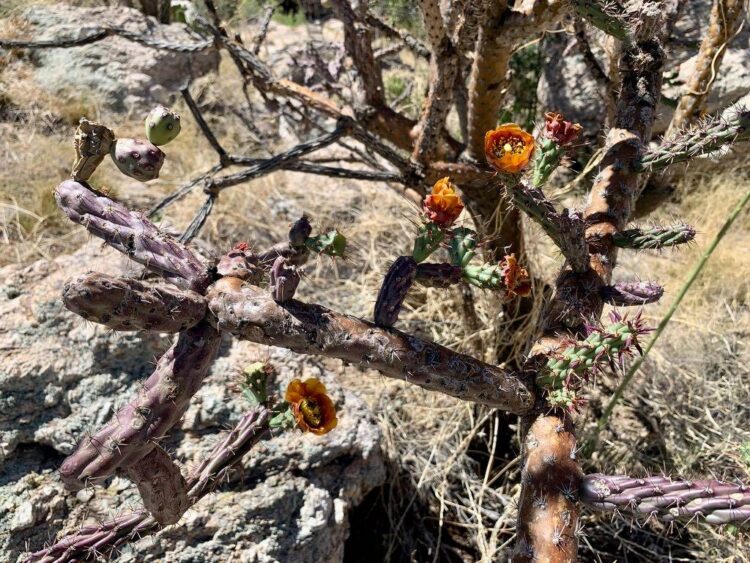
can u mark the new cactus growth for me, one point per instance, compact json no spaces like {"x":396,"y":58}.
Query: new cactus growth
{"x":137,"y":158}
{"x":462,"y":246}
{"x":654,"y":238}
{"x":162,"y":125}
{"x":332,"y":243}
{"x":557,"y":136}
{"x":429,"y":237}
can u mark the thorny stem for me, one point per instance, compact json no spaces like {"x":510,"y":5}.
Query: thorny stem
{"x":692,"y":276}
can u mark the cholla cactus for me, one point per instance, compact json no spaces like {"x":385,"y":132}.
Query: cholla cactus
{"x":137,"y":158}
{"x":162,"y":125}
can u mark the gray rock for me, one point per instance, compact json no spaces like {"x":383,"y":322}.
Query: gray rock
{"x":567,"y":85}
{"x":60,"y":377}
{"x":117,"y":72}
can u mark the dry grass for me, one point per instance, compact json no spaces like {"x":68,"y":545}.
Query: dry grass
{"x":454,"y":468}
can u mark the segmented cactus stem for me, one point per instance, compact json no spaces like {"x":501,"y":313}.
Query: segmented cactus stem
{"x":438,"y":275}
{"x":632,"y":293}
{"x":668,"y":499}
{"x":128,"y":304}
{"x":654,"y":238}
{"x":132,"y":234}
{"x":708,"y":136}
{"x":393,"y":291}
{"x":604,"y":15}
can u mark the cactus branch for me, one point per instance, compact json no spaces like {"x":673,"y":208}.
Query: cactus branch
{"x":668,"y":499}
{"x":132,"y":234}
{"x":249,"y":313}
{"x":633,"y":293}
{"x":104,"y":539}
{"x":155,"y":409}
{"x":654,"y":238}
{"x":703,"y":138}
{"x":128,"y":304}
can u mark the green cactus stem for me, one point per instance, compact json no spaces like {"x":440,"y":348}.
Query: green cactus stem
{"x":132,"y":234}
{"x":393,"y":291}
{"x":462,"y":246}
{"x":549,"y":155}
{"x":157,"y":407}
{"x":128,"y":304}
{"x":332,"y":243}
{"x":709,"y":136}
{"x":573,"y":366}
{"x":668,"y":499}
{"x":603,"y":14}
{"x":162,"y":125}
{"x":654,"y":238}
{"x":137,"y":158}
{"x":429,"y":237}
{"x":485,"y":276}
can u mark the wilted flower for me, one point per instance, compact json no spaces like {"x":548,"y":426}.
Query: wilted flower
{"x":311,"y":406}
{"x":508,"y":148}
{"x":558,"y":130}
{"x":443,"y":205}
{"x":517,"y":281}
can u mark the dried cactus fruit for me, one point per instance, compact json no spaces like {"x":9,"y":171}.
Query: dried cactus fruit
{"x":92,"y":143}
{"x":137,"y":158}
{"x":299,"y":232}
{"x":393,"y":291}
{"x":632,"y":293}
{"x":654,"y":237}
{"x":240,"y":262}
{"x":162,"y":125}
{"x":285,"y":278}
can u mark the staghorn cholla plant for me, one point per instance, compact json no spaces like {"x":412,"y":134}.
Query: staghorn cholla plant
{"x":495,"y":172}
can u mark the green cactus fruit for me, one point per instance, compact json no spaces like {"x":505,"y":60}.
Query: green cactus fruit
{"x":162,"y":125}
{"x":137,"y":158}
{"x":462,"y":245}
{"x":429,"y":237}
{"x":332,"y":243}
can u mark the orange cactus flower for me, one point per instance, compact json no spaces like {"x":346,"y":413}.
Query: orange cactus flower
{"x":508,"y":148}
{"x":517,"y":281}
{"x":443,"y":205}
{"x":311,"y":406}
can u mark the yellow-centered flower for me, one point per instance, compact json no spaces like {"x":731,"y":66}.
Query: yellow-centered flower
{"x":311,"y":406}
{"x":508,"y":148}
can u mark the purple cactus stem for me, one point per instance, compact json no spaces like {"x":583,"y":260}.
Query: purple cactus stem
{"x":105,"y":538}
{"x":284,"y":280}
{"x":396,"y":284}
{"x":161,"y":485}
{"x":669,"y":499}
{"x":438,"y":275}
{"x":155,"y":410}
{"x":137,"y":158}
{"x":128,"y":304}
{"x":132,"y":234}
{"x":632,"y":293}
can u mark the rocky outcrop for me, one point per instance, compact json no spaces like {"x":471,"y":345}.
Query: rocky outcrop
{"x":568,"y":85}
{"x":117,"y":72}
{"x":60,"y":377}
